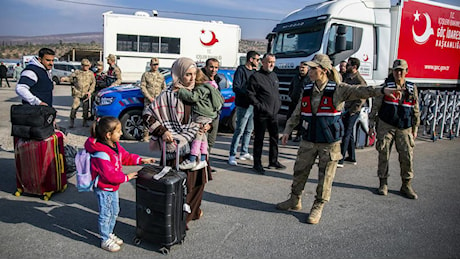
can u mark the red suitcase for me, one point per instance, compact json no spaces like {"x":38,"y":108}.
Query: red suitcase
{"x":40,"y":167}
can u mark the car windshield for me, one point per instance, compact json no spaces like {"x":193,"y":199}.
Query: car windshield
{"x":297,"y":43}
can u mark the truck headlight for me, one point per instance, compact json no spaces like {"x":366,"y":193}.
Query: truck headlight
{"x":104,"y":101}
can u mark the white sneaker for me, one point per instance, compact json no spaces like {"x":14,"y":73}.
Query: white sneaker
{"x":339,"y":165}
{"x":232,"y":160}
{"x":200,"y":165}
{"x":117,"y":240}
{"x":110,"y":245}
{"x":246,"y":157}
{"x":187,"y":164}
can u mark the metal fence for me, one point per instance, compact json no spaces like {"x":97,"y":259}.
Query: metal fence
{"x":440,"y":113}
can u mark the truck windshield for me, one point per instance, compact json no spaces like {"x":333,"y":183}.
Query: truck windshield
{"x":298,"y":43}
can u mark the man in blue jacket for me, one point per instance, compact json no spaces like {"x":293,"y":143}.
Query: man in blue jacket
{"x":35,"y":86}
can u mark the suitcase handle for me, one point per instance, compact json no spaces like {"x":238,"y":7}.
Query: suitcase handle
{"x":177,"y":142}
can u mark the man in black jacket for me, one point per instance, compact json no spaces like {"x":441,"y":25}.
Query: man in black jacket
{"x":264,"y":96}
{"x":295,"y":91}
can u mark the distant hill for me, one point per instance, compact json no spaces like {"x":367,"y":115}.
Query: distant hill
{"x":92,"y":37}
{"x":14,"y":47}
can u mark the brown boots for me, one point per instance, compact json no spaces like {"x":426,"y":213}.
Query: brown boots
{"x":294,"y":202}
{"x":315,"y":212}
{"x":383,"y":188}
{"x":406,"y":189}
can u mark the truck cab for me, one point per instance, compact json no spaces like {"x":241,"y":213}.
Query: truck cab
{"x":340,"y":29}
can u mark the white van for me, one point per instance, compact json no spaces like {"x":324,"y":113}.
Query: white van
{"x":62,"y":70}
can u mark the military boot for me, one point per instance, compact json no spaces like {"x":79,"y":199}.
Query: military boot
{"x":294,"y":202}
{"x":406,"y":189}
{"x":85,"y":123}
{"x":383,"y":188}
{"x":315,"y":212}
{"x":71,"y":123}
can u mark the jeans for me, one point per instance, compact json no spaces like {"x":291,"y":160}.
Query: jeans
{"x":348,"y":140}
{"x":108,"y":211}
{"x":244,"y":127}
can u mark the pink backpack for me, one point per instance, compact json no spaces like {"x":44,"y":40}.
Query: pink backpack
{"x":83,"y":164}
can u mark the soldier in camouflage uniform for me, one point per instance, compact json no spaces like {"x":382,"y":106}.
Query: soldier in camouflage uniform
{"x":83,"y":82}
{"x":113,"y":77}
{"x":397,"y":121}
{"x":152,"y":83}
{"x":322,"y":131}
{"x":100,"y":77}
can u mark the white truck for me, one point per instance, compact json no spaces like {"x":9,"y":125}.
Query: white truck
{"x":425,"y":33}
{"x":26,"y":59}
{"x":135,"y":39}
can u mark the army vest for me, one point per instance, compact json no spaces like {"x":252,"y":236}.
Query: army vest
{"x":326,"y":125}
{"x":399,"y":112}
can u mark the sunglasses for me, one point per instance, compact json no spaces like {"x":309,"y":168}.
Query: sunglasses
{"x":154,"y":64}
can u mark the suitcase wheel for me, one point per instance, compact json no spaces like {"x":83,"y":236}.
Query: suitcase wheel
{"x":164,"y":250}
{"x":18,"y":192}
{"x":47,"y":195}
{"x":137,"y":241}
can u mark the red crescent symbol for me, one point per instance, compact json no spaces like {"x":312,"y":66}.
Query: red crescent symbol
{"x":365,"y":57}
{"x":213,"y":40}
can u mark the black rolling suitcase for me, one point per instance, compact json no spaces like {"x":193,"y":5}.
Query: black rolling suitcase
{"x":161,"y":208}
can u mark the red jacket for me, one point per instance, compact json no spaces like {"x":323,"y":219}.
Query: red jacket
{"x":110,"y":172}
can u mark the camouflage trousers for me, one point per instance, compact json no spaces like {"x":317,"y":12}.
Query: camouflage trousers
{"x":404,"y":141}
{"x":77,"y":102}
{"x":328,"y":154}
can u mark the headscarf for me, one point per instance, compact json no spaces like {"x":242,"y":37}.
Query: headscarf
{"x":179,"y":69}
{"x":168,"y":111}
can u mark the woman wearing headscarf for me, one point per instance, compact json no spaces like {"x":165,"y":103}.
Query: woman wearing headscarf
{"x":169,"y":119}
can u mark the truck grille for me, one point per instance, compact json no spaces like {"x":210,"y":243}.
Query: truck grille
{"x":285,"y":77}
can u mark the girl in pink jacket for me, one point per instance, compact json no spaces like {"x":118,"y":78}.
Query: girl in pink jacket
{"x":107,"y":167}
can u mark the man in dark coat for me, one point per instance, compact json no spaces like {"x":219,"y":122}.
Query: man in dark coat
{"x":263,"y":93}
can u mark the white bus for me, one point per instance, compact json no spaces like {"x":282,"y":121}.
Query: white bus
{"x":135,"y":39}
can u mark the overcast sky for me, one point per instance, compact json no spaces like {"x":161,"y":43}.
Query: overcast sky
{"x":45,"y":17}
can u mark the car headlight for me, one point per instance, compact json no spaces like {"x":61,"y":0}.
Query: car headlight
{"x":104,"y":101}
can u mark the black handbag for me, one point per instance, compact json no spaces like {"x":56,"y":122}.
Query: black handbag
{"x":32,"y":122}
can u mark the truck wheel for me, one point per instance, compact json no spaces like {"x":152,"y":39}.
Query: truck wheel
{"x":56,"y":80}
{"x":131,"y":125}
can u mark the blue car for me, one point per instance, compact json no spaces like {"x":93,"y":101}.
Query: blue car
{"x":126,"y":103}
